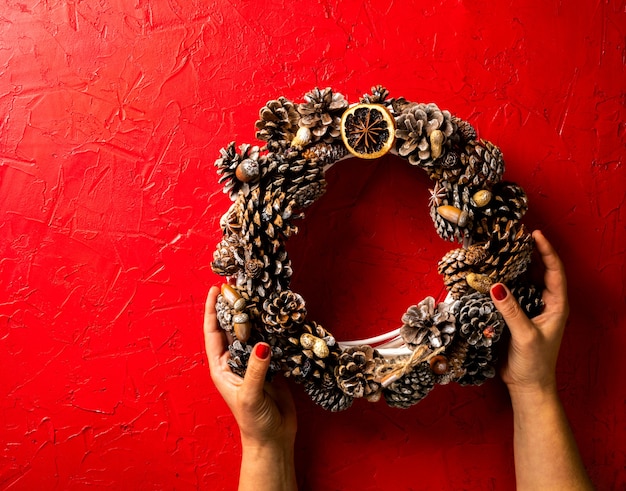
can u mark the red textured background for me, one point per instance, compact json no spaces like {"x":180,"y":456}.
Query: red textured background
{"x":111,"y":116}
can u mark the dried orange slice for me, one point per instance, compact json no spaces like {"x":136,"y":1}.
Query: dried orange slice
{"x":367,"y":130}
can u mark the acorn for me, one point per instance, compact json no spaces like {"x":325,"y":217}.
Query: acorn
{"x":439,"y":364}
{"x":242,"y":326}
{"x":247,"y":171}
{"x":479,"y":282}
{"x":454,"y":215}
{"x":230,"y":294}
{"x":482,"y":198}
{"x":436,"y":144}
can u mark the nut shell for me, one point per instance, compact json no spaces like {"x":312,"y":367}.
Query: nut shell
{"x":479,"y":282}
{"x":230,"y":294}
{"x":482,"y":197}
{"x":436,"y":143}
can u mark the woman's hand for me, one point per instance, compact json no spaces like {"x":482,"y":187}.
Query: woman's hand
{"x":535,"y":343}
{"x":546,"y":455}
{"x":264,"y":412}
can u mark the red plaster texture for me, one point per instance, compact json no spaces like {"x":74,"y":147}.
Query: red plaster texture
{"x":111,"y":115}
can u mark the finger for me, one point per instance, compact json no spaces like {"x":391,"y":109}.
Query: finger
{"x":554,"y":277}
{"x":254,"y":379}
{"x":515,"y":319}
{"x":214,"y":337}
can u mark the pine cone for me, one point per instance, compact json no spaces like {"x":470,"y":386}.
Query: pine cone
{"x":326,"y":393}
{"x":278,"y":121}
{"x":284,"y":311}
{"x":303,"y":364}
{"x":457,"y":264}
{"x":466,"y":130}
{"x":325,"y":153}
{"x":321,"y":113}
{"x":355,"y":371}
{"x":483,"y":165}
{"x":480,"y":323}
{"x":425,"y":324}
{"x":411,"y":388}
{"x":414,"y":127}
{"x":227,"y":257}
{"x":529,"y":298}
{"x":228,"y":163}
{"x":225,"y":313}
{"x":480,"y":363}
{"x":458,"y":197}
{"x":510,"y":249}
{"x":378,"y":96}
{"x":508,"y":203}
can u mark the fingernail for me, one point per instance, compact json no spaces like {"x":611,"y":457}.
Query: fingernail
{"x":498,"y":291}
{"x":262,"y":351}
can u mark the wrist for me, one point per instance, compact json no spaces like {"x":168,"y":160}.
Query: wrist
{"x":533,"y":395}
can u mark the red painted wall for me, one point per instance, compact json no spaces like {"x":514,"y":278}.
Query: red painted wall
{"x":111,"y":116}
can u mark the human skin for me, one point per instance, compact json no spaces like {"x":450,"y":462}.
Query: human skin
{"x":265,"y":412}
{"x":546,"y":455}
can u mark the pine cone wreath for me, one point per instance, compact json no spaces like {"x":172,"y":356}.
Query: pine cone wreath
{"x":423,"y":133}
{"x":283,"y":311}
{"x":426,"y":324}
{"x":480,"y":323}
{"x":355,"y":371}
{"x":321,"y":113}
{"x":411,"y":388}
{"x":278,"y":121}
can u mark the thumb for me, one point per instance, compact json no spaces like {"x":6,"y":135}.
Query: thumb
{"x":513,"y":314}
{"x":254,"y":378}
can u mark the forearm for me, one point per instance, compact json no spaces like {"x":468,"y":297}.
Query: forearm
{"x":267,"y":468}
{"x":546,"y":455}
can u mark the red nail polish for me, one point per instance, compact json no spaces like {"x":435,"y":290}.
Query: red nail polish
{"x":499,"y":292}
{"x":262,"y":351}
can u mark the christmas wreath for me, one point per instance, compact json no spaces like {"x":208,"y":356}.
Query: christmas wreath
{"x":438,"y":342}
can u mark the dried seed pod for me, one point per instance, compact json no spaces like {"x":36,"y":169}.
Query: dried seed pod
{"x":482,"y":197}
{"x":242,"y":326}
{"x":436,"y":143}
{"x":479,"y":282}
